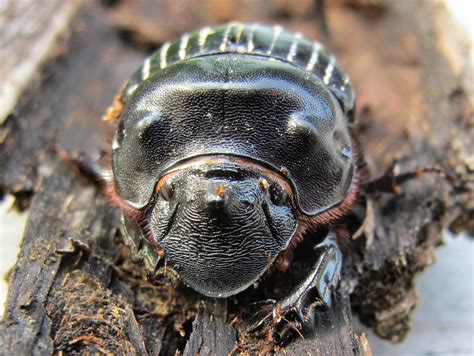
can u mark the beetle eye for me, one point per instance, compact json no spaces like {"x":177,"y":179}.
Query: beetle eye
{"x":278,"y":196}
{"x":167,"y":192}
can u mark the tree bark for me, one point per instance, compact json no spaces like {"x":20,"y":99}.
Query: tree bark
{"x":75,"y":289}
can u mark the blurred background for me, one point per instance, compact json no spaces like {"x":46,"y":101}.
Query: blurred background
{"x":443,"y":322}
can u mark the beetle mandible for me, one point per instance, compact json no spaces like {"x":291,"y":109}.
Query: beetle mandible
{"x":232,"y":142}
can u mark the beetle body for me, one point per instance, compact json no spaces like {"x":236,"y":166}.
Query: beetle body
{"x":232,"y":141}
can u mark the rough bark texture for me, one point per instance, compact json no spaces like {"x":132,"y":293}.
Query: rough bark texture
{"x":26,"y":44}
{"x":74,"y":287}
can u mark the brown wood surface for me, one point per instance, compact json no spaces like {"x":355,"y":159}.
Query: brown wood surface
{"x":30,"y":31}
{"x":74,"y":287}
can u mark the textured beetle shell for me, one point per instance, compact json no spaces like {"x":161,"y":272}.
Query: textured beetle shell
{"x":307,"y":79}
{"x":253,"y":39}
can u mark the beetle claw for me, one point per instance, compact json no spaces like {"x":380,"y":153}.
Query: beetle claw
{"x":260,"y":323}
{"x":280,"y":323}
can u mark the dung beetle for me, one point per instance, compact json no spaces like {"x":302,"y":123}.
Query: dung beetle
{"x":232,"y":142}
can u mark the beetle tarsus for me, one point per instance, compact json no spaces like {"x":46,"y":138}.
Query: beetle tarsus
{"x":390,"y":181}
{"x":296,"y":312}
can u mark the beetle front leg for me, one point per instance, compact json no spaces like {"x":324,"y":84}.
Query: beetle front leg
{"x":86,"y":165}
{"x":315,"y":290}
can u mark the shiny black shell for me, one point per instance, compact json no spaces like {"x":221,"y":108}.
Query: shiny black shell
{"x":250,"y":91}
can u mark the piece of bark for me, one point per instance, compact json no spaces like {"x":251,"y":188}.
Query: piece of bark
{"x":211,"y":334}
{"x":57,"y":216}
{"x":408,"y":93}
{"x":70,"y":248}
{"x":29,"y":35}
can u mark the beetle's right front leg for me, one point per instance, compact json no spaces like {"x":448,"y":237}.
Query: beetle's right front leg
{"x":316,"y":289}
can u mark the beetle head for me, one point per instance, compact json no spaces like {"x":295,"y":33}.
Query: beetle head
{"x":221,"y":224}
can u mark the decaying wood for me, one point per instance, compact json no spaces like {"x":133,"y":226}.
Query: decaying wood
{"x":74,"y":287}
{"x":26,"y":44}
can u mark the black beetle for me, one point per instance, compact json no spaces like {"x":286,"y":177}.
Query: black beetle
{"x":232,"y":142}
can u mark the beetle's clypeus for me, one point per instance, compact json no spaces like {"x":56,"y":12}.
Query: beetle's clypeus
{"x":232,"y":142}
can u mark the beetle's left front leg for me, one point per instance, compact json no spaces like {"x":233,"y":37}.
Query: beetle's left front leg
{"x":88,"y":166}
{"x":315,"y":289}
